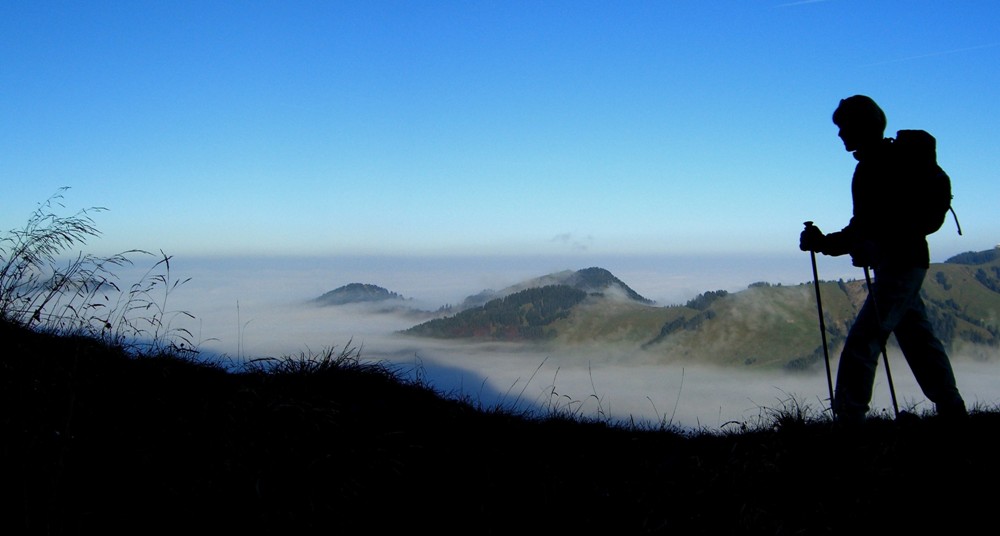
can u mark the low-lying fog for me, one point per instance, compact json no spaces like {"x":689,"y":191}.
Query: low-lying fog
{"x":258,"y":308}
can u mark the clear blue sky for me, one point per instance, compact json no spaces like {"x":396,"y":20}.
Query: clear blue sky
{"x":482,"y":127}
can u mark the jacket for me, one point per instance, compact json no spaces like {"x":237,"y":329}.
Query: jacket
{"x":885,"y":229}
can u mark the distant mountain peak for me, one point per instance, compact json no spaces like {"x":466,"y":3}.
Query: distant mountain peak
{"x":357,"y":293}
{"x":593,"y":280}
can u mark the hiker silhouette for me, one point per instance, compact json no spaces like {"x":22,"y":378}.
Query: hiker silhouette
{"x":887,"y":232}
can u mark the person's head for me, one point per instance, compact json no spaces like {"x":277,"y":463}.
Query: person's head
{"x":861,"y":121}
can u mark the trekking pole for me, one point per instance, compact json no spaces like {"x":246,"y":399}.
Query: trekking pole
{"x":885,"y":355}
{"x":822,"y":323}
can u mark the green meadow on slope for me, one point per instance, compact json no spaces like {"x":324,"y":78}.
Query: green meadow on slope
{"x":763,"y":326}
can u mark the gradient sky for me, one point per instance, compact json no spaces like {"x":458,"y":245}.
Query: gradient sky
{"x":426,"y":128}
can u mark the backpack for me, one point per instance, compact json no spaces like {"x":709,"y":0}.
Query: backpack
{"x":916,"y":151}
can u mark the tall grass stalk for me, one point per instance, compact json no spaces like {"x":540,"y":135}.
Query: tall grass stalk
{"x":140,"y":316}
{"x":29,"y":277}
{"x":41,"y":289}
{"x":348,"y":357}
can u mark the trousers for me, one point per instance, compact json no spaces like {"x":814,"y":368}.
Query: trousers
{"x":894,"y":306}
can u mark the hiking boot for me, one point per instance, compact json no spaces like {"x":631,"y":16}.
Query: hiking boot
{"x":849,"y":419}
{"x":953,"y":412}
{"x":906,"y":418}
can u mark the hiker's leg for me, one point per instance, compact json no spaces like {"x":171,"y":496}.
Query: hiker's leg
{"x":888,"y":300}
{"x":858,"y":361}
{"x":928,"y":360}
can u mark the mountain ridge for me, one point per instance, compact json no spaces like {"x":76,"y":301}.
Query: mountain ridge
{"x":591,"y":280}
{"x":765,"y":325}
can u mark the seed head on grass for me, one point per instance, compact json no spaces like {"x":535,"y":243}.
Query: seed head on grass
{"x":30,"y":276}
{"x":41,"y":290}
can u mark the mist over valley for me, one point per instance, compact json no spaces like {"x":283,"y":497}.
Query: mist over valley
{"x":729,"y":352}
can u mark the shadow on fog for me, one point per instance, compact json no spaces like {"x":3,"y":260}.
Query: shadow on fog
{"x":526,"y":395}
{"x":463,"y":384}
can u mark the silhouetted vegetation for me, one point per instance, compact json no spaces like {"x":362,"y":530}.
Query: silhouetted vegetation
{"x":44,"y":284}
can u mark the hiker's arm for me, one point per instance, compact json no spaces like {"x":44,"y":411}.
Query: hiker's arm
{"x":840,"y":242}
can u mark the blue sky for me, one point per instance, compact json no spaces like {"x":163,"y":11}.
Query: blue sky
{"x":474,"y":128}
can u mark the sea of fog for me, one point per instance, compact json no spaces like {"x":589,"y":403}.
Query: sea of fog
{"x":247,"y":308}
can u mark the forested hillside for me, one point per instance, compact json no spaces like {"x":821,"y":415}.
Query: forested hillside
{"x":765,"y":325}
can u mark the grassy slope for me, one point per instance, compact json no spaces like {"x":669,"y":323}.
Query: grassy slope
{"x":961,"y":287}
{"x":760,"y":327}
{"x":98,"y":442}
{"x":777,"y":326}
{"x":614,"y":321}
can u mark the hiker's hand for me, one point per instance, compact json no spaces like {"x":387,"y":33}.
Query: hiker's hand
{"x":811,"y":239}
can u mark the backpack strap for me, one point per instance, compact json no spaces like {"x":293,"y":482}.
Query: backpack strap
{"x":955,"y":216}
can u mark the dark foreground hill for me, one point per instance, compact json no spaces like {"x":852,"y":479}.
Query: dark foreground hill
{"x":96,"y":441}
